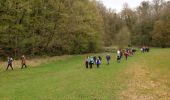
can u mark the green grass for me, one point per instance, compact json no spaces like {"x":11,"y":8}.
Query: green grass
{"x":67,"y":79}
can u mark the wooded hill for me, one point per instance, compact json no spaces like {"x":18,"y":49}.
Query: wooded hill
{"x":55,"y":27}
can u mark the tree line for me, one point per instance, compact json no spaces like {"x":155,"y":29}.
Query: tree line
{"x":148,"y":24}
{"x":56,"y":27}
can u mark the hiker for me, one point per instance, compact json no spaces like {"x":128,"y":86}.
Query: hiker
{"x":121,"y":54}
{"x":126,"y":54}
{"x":23,"y":62}
{"x":145,"y":49}
{"x":91,"y":62}
{"x":94,"y":58}
{"x":98,"y":62}
{"x":87,"y":62}
{"x":10,"y":60}
{"x":148,"y":49}
{"x":118,"y":53}
{"x":118,"y":56}
{"x":108,"y":59}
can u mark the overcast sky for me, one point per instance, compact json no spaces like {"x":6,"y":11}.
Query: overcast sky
{"x":118,"y":4}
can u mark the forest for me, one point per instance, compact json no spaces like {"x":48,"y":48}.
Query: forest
{"x":57,"y":27}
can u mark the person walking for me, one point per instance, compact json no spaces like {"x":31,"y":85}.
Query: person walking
{"x":126,"y":55}
{"x":10,"y":61}
{"x":98,"y":62}
{"x":121,"y":54}
{"x":108,"y":59}
{"x":94,"y":58}
{"x":87,"y":62}
{"x":118,"y":56}
{"x":91,"y":62}
{"x":23,"y":62}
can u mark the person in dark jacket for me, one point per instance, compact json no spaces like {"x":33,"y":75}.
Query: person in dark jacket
{"x":10,"y":61}
{"x":108,"y":59}
{"x":118,"y":59}
{"x":87,"y":62}
{"x":94,"y":58}
{"x":98,"y":62}
{"x":121,"y":54}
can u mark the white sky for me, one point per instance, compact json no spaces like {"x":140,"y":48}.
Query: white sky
{"x":118,"y":4}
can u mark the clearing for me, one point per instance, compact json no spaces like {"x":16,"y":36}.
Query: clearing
{"x":142,"y":77}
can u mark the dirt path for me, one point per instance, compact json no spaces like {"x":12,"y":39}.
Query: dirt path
{"x":140,"y":84}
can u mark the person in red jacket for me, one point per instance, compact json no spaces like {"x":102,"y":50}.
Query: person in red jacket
{"x":126,"y":55}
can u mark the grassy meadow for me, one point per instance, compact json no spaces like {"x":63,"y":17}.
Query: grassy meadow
{"x":141,"y":77}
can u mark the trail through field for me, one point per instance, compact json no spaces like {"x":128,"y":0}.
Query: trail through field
{"x":147,"y":80}
{"x":142,"y":77}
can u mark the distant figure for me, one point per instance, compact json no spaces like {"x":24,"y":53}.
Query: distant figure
{"x":10,"y":60}
{"x":118,"y":53}
{"x":23,"y":62}
{"x":98,"y":62}
{"x":121,"y":54}
{"x":87,"y":62}
{"x":118,"y":56}
{"x":126,"y":54}
{"x":147,"y":49}
{"x":108,"y":59}
{"x":144,"y":49}
{"x":94,"y":58}
{"x":91,"y":62}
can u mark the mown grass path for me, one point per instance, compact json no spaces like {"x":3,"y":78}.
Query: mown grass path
{"x":67,"y":79}
{"x":148,"y":77}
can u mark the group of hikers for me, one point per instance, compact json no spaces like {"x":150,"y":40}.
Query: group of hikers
{"x":127,"y":52}
{"x":10,"y":63}
{"x":90,"y":61}
{"x":144,"y":49}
